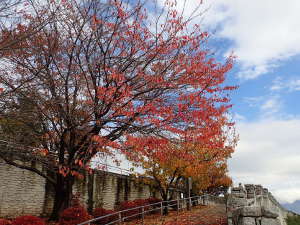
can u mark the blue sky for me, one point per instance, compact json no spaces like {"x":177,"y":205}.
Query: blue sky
{"x":265,"y":37}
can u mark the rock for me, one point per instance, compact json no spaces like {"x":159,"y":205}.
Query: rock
{"x":270,"y":221}
{"x":247,"y":221}
{"x":268,"y":214}
{"x":251,"y":211}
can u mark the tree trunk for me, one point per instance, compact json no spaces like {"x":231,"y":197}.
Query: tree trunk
{"x":165,"y":204}
{"x":63,"y":195}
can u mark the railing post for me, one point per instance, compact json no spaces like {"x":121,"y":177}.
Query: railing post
{"x":143,"y":215}
{"x":188,"y":205}
{"x":120,"y":218}
{"x":161,"y":208}
{"x":178,"y":205}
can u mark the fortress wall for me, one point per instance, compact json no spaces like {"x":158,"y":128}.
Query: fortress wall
{"x":21,"y":191}
{"x":24,"y":192}
{"x":252,"y":205}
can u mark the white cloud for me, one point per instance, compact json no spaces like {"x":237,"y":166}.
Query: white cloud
{"x":238,"y":117}
{"x":271,"y":105}
{"x":289,"y":85}
{"x":268,"y":105}
{"x":254,"y":101}
{"x":268,"y":154}
{"x":262,"y":32}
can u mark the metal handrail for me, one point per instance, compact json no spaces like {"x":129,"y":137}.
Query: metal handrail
{"x":143,"y":211}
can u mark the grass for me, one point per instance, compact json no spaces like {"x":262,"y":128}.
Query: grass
{"x":293,"y":220}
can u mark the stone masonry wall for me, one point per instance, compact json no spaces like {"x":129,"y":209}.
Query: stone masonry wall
{"x":21,"y":192}
{"x":24,"y":192}
{"x":254,"y":205}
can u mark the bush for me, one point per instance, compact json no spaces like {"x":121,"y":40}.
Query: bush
{"x":293,"y":220}
{"x":137,"y":203}
{"x":74,"y":216}
{"x":129,"y":205}
{"x":98,"y":212}
{"x":154,"y":200}
{"x":28,"y":220}
{"x":5,"y":222}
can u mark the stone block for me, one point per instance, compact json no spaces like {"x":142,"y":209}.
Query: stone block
{"x":239,"y":195}
{"x":265,"y":191}
{"x":230,"y":221}
{"x":270,"y":221}
{"x":250,"y":195}
{"x":238,"y":202}
{"x":258,"y":189}
{"x":247,"y":221}
{"x":250,"y":211}
{"x":268,"y":214}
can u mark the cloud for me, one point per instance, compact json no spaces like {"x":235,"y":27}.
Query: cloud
{"x":262,"y":33}
{"x":289,"y":85}
{"x":268,"y":154}
{"x":271,"y":106}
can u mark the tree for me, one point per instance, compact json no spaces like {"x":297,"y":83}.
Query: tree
{"x":214,"y":180}
{"x":11,"y":14}
{"x":98,"y":76}
{"x":168,"y":167}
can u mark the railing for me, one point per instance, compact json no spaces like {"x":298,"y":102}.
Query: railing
{"x":178,"y":204}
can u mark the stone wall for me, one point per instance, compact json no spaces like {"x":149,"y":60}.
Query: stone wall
{"x":23,"y":192}
{"x":254,"y":205}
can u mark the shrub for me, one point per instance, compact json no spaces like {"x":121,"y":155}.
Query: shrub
{"x":98,"y":212}
{"x":5,"y":222}
{"x":28,"y":220}
{"x":129,"y":205}
{"x":154,"y":200}
{"x":293,"y":220}
{"x":137,"y":203}
{"x":73,"y":216}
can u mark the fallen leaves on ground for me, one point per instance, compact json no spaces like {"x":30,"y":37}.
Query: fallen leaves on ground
{"x":200,"y":215}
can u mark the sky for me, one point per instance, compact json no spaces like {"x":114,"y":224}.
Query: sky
{"x":264,"y":35}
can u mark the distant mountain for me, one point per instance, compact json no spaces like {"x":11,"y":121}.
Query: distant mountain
{"x":295,"y":206}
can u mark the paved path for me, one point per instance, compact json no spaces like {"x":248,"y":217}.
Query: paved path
{"x":200,"y":215}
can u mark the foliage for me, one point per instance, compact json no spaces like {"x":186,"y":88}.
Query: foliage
{"x":100,"y":79}
{"x":206,"y":165}
{"x":130,"y":213}
{"x":74,"y":216}
{"x":98,"y":212}
{"x":293,"y":220}
{"x":28,"y":220}
{"x":153,"y":200}
{"x":133,"y":204}
{"x":5,"y":222}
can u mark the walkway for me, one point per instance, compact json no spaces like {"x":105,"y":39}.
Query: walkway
{"x":200,"y":215}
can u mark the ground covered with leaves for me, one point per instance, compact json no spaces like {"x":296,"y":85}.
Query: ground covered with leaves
{"x":200,"y":215}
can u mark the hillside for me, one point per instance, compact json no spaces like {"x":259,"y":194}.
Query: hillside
{"x":295,"y":206}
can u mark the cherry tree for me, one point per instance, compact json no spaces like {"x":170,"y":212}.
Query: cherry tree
{"x":99,"y":76}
